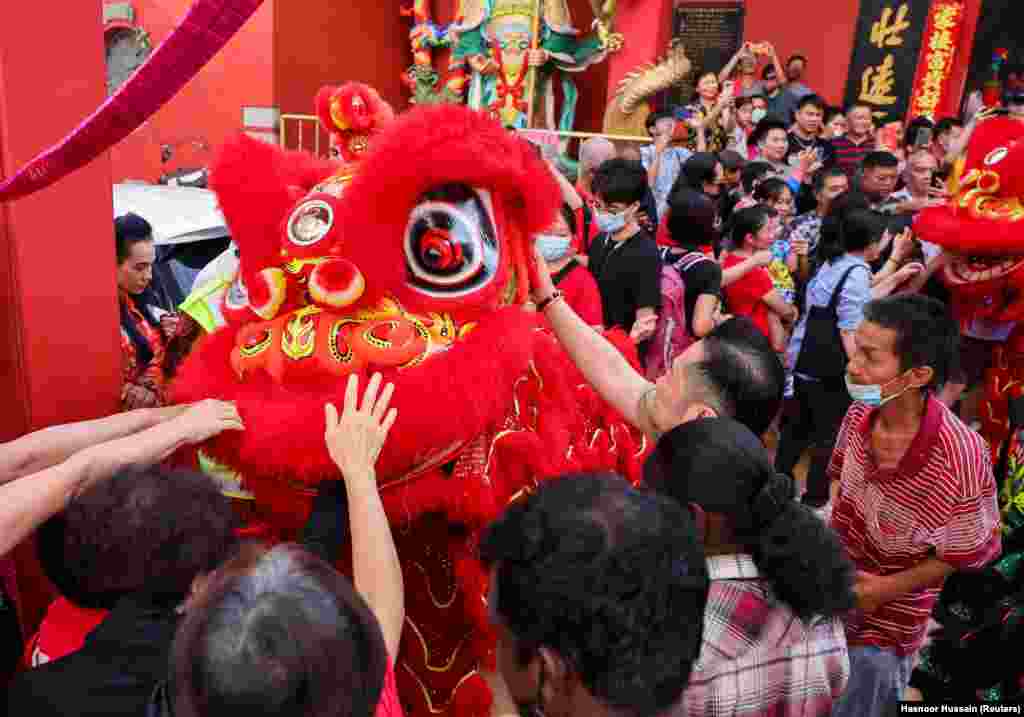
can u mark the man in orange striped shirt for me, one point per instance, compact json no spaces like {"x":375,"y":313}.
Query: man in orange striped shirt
{"x":916,"y":499}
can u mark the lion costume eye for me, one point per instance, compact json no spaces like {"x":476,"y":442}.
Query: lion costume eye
{"x":310,"y":222}
{"x":450,"y":245}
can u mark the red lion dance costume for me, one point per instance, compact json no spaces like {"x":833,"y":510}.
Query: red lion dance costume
{"x":983,"y":226}
{"x":415,"y":262}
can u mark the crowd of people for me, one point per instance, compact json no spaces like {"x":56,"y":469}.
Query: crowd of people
{"x":759,"y":255}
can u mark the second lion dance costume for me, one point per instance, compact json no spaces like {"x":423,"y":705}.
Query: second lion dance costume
{"x":972,"y":658}
{"x":412,"y":257}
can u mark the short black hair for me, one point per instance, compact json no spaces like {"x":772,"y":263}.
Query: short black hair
{"x":752,"y":174}
{"x":698,"y":170}
{"x":766,"y":125}
{"x":611,"y":578}
{"x":750,"y":220}
{"x":913,"y":127}
{"x":740,"y":362}
{"x":720,"y":465}
{"x":926,"y":335}
{"x":130,"y":229}
{"x":771,"y":190}
{"x":832,"y":112}
{"x":620,"y":181}
{"x":880,"y":158}
{"x":691,"y":218}
{"x":144,"y":531}
{"x":850,"y":225}
{"x":271,"y":636}
{"x":794,"y":58}
{"x":945,"y":124}
{"x":812,"y":100}
{"x":731,"y":161}
{"x":654,"y":117}
{"x":822,"y":175}
{"x":854,"y":105}
{"x":743,"y":100}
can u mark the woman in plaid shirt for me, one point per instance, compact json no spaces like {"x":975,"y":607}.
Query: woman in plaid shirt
{"x":773,"y":642}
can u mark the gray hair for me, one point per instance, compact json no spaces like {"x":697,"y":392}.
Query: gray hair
{"x":594,"y":152}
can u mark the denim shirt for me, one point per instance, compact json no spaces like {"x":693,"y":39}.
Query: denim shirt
{"x":856,"y":294}
{"x":672,"y":160}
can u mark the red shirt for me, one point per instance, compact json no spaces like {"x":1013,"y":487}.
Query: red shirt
{"x":63,"y":631}
{"x":579,"y":289}
{"x":745,"y":296}
{"x":939,"y":502}
{"x":581,"y":244}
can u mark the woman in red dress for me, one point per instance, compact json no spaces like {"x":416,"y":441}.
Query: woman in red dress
{"x":143,"y":334}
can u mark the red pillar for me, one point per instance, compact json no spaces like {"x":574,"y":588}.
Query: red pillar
{"x":59,"y":353}
{"x":958,"y":76}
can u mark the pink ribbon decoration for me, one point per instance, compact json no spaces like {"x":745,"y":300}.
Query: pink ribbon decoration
{"x":206,"y":28}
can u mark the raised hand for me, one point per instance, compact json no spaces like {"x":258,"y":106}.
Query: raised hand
{"x":355,"y":440}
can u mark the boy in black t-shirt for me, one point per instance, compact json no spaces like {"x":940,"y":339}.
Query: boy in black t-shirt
{"x":624,"y":259}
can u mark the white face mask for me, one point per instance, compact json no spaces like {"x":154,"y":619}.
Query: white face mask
{"x":610,"y":223}
{"x":758,"y":114}
{"x":553,"y":246}
{"x":871,"y":394}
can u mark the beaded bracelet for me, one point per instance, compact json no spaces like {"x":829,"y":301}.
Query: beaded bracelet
{"x":548,"y":301}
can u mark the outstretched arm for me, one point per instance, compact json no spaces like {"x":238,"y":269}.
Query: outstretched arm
{"x":569,"y":194}
{"x":598,"y":360}
{"x":50,"y":446}
{"x":354,"y":442}
{"x":28,"y":502}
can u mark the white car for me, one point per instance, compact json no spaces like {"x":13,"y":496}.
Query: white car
{"x":189,"y":231}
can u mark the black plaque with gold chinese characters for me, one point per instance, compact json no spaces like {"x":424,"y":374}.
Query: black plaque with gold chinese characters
{"x":711,"y":32}
{"x":885,"y":54}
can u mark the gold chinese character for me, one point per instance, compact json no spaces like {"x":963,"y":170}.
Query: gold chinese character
{"x":887,"y":32}
{"x":946,"y":17}
{"x":877,"y":82}
{"x":941,"y":41}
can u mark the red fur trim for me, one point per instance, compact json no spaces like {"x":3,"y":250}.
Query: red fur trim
{"x":256,"y":185}
{"x":445,"y":401}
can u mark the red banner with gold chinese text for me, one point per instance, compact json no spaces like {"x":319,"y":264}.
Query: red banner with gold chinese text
{"x":938,"y":54}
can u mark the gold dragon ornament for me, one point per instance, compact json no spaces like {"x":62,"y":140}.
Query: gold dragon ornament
{"x":629,"y":109}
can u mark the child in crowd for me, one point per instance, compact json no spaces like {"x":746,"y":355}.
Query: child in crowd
{"x":754,"y":294}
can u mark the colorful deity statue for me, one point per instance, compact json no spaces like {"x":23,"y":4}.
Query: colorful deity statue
{"x":493,"y":49}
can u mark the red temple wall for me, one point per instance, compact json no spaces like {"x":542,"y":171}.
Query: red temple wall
{"x":210,"y":106}
{"x":59,"y":336}
{"x":319,"y":42}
